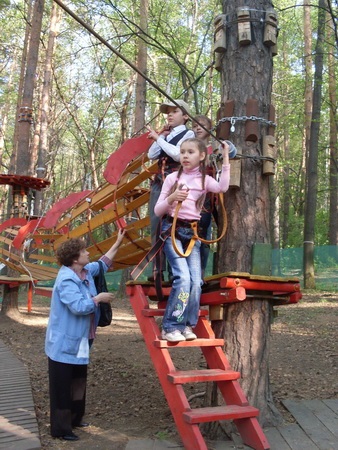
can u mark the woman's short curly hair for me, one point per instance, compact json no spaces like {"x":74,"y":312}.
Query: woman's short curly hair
{"x":69,"y":251}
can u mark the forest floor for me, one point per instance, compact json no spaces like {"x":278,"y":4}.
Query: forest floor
{"x":124,"y":396}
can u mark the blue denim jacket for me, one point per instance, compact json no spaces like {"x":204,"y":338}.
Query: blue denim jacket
{"x":69,"y":320}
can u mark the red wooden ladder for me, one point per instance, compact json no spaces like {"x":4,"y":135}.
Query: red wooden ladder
{"x":187,"y":419}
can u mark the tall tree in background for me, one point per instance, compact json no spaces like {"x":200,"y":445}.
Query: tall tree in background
{"x":247,"y":80}
{"x":308,"y":63}
{"x":23,"y":159}
{"x":312,"y":162}
{"x":45,"y":104}
{"x":333,"y":214}
{"x":141,"y":83}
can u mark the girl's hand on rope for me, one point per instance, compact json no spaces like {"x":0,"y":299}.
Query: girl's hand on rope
{"x":225,"y":152}
{"x":179,"y":195}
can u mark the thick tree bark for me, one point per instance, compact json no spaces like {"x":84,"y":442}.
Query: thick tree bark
{"x":247,"y":74}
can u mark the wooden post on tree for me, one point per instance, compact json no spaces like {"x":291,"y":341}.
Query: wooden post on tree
{"x":246,"y":78}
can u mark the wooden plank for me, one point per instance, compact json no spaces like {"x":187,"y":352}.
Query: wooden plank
{"x":313,"y":427}
{"x":332,"y":403}
{"x":18,"y":424}
{"x":32,"y":444}
{"x":42,"y":257}
{"x":251,"y":277}
{"x":325,"y":414}
{"x":105,"y":217}
{"x":13,"y":431}
{"x":296,"y":438}
{"x":276,"y":440}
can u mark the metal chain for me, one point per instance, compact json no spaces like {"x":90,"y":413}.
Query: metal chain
{"x":218,"y":158}
{"x":235,"y":119}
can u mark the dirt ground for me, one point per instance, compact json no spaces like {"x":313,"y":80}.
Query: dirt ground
{"x":125,"y":400}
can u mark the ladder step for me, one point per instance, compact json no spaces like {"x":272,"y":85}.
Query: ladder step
{"x":212,"y":414}
{"x":195,"y":343}
{"x":195,"y":376}
{"x":151,"y":312}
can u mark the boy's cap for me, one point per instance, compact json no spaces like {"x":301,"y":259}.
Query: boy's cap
{"x":182,"y":104}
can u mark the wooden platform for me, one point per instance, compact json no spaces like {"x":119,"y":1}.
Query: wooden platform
{"x":18,"y":424}
{"x":316,"y":428}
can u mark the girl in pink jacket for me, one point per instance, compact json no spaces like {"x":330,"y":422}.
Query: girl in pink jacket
{"x":189,"y":185}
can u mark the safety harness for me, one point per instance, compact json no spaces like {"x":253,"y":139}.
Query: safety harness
{"x":171,"y":231}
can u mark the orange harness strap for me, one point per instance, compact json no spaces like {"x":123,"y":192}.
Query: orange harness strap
{"x":195,"y":237}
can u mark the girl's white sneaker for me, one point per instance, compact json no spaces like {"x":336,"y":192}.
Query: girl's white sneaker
{"x":173,"y":336}
{"x":189,"y":334}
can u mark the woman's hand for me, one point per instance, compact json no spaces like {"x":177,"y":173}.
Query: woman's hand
{"x":120,"y":236}
{"x":104,"y":297}
{"x":113,"y":249}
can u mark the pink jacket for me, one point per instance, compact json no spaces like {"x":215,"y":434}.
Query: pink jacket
{"x":191,"y":180}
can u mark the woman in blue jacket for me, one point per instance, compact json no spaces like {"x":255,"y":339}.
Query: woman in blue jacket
{"x":74,"y":315}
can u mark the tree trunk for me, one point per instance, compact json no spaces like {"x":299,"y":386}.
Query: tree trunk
{"x":44,"y":106}
{"x":25,"y":119}
{"x":286,"y":171}
{"x":23,"y":162}
{"x":141,"y":84}
{"x":312,"y":171}
{"x":247,"y":74}
{"x":333,"y":213}
{"x":308,"y":74}
{"x":13,"y":158}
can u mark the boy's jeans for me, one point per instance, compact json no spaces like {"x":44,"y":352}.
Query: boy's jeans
{"x":184,"y":300}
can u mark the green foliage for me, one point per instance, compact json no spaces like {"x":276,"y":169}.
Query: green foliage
{"x":4,"y":4}
{"x":93,"y":90}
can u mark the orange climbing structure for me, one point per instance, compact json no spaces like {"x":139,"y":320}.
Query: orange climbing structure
{"x":27,"y":246}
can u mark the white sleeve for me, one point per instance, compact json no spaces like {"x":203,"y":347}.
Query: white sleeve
{"x":171,"y":150}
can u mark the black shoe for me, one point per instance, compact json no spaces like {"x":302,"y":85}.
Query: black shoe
{"x":82,"y":425}
{"x":70,"y":437}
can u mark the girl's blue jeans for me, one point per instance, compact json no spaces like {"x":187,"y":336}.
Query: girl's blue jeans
{"x":184,"y":299}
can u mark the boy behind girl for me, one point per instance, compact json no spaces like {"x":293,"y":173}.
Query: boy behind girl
{"x":166,"y":149}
